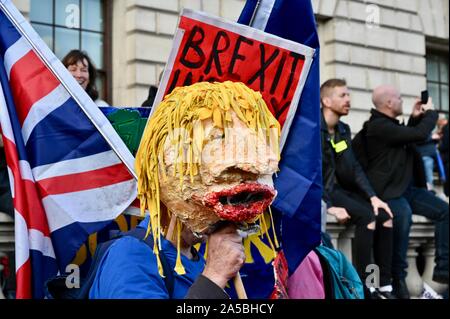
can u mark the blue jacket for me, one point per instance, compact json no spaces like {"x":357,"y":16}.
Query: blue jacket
{"x":128,"y":270}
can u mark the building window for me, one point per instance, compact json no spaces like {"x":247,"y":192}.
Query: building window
{"x":437,"y":80}
{"x":74,"y":24}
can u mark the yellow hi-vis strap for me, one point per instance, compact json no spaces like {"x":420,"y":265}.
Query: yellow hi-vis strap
{"x":339,"y":147}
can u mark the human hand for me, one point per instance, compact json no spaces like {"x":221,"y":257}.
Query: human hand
{"x":226,"y":256}
{"x":417,"y":109}
{"x":436,"y":137}
{"x":429,"y":106}
{"x":379,"y":204}
{"x":340,"y":213}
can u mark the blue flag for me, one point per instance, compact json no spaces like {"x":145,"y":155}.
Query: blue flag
{"x":299,"y":183}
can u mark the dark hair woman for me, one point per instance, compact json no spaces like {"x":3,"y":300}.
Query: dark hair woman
{"x":83,"y":70}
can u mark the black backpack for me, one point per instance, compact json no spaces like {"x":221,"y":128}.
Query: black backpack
{"x":359,"y":146}
{"x":57,"y":287}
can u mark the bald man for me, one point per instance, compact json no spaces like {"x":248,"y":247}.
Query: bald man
{"x":348,"y":193}
{"x":393,"y":172}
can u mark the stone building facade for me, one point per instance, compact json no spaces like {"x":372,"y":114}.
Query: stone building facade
{"x":366,"y":42}
{"x":401,"y":42}
{"x":382,"y":41}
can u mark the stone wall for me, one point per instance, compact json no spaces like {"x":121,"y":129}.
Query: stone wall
{"x":376,"y":42}
{"x":143,"y":39}
{"x":366,"y":42}
{"x":23,"y":6}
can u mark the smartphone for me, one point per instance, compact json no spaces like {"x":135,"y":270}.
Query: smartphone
{"x":424,"y":97}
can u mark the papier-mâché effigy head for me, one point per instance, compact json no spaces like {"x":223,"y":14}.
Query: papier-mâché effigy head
{"x":208,"y":154}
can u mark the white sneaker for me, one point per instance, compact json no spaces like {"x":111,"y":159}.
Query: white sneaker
{"x":429,"y":293}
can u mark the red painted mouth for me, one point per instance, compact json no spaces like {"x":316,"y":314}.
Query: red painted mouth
{"x":241,"y":203}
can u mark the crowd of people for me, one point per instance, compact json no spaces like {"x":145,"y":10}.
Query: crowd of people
{"x":347,"y":191}
{"x":378,"y":180}
{"x":375,"y":181}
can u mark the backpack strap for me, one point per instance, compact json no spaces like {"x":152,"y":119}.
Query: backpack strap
{"x":56,"y":288}
{"x":139,"y":233}
{"x":87,"y":282}
{"x":326,"y":272}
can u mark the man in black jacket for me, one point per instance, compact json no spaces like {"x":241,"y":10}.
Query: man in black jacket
{"x":393,"y":172}
{"x":348,"y":193}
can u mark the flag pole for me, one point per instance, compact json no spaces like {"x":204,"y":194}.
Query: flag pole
{"x":237,"y":281}
{"x":171,"y":230}
{"x":43,"y":58}
{"x":239,"y":286}
{"x":254,"y":13}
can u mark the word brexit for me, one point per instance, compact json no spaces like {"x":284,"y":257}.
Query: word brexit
{"x":215,"y":51}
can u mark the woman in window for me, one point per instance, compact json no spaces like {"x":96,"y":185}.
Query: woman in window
{"x":83,"y":70}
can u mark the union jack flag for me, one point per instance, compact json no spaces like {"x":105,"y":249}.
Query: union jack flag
{"x":66,"y":179}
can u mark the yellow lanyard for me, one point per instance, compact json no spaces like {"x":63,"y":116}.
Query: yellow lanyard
{"x":339,"y":147}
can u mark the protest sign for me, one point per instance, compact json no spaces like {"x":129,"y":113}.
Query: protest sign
{"x":208,"y":48}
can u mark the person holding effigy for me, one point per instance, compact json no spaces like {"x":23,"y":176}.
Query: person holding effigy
{"x":205,"y":167}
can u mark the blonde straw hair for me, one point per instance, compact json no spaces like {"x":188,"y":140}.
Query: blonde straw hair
{"x":185,"y":108}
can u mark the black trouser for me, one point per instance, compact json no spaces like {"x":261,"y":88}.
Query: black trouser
{"x":367,"y":240}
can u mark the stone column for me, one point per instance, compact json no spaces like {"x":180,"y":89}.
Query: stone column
{"x":429,"y":252}
{"x":6,"y":233}
{"x":413,"y":280}
{"x":334,"y":230}
{"x":6,"y":241}
{"x":345,"y":242}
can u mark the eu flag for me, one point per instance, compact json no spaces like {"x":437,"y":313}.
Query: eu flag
{"x":299,"y":182}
